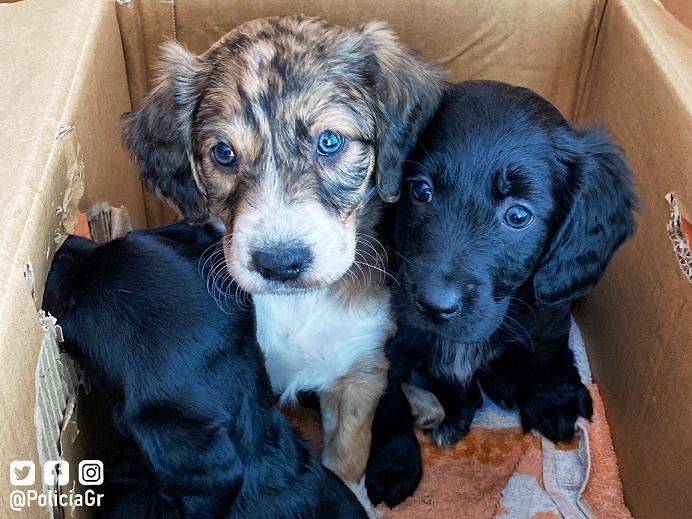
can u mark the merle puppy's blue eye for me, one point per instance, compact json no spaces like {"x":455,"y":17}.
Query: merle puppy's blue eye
{"x":329,"y":143}
{"x":223,"y":154}
{"x":518,"y":217}
{"x":421,"y":190}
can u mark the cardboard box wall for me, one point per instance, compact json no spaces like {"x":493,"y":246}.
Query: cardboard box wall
{"x":71,"y":67}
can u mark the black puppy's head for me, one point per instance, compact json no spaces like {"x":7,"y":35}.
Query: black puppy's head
{"x":505,"y":199}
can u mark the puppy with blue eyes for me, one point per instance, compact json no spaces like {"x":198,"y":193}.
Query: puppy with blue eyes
{"x":291,"y":133}
{"x":511,"y":216}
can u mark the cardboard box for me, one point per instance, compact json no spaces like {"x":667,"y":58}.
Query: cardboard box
{"x":71,"y":67}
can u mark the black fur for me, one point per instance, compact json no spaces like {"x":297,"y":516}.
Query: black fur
{"x":509,"y":292}
{"x":191,"y":401}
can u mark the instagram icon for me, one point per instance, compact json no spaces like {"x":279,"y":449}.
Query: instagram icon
{"x":90,"y":472}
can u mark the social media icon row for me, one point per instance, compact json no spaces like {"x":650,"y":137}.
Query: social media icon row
{"x":23,"y":473}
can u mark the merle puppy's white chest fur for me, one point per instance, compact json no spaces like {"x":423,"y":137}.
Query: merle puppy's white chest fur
{"x":311,"y":340}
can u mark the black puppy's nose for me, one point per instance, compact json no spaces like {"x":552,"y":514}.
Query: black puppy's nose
{"x":438,"y":305}
{"x":281,"y":263}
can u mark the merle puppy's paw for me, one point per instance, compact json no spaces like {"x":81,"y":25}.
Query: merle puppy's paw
{"x":394,"y":470}
{"x":553,"y":411}
{"x":451,"y":430}
{"x":426,"y":409}
{"x":429,"y":418}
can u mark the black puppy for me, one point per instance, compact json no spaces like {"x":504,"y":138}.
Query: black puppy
{"x":190,"y":397}
{"x":511,"y":215}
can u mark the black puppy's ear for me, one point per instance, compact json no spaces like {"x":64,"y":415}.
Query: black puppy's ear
{"x":158,"y":134}
{"x":188,"y":449}
{"x":409,"y":91}
{"x":599,"y":217}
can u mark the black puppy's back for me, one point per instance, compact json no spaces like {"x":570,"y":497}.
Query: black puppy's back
{"x":191,"y":400}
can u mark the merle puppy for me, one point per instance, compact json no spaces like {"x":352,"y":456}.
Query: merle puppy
{"x":511,"y":215}
{"x":191,"y":400}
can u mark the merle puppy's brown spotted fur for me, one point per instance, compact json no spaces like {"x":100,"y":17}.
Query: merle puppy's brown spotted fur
{"x":292,"y":131}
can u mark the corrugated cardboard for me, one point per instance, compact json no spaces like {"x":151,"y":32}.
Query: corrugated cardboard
{"x":637,"y":322}
{"x":71,"y":67}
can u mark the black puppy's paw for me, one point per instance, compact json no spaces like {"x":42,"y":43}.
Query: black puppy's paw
{"x":394,"y":470}
{"x":554,"y":411}
{"x":451,"y":430}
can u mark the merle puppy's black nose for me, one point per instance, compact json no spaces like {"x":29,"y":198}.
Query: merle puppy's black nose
{"x":281,"y":263}
{"x":438,"y":305}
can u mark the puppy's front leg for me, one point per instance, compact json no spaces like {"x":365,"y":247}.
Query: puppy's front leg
{"x":395,"y":467}
{"x":551,"y":395}
{"x":460,"y":401}
{"x":348,"y":408}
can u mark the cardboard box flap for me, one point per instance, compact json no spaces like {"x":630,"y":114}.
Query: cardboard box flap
{"x":49,"y":58}
{"x":636,"y":322}
{"x":40,"y":61}
{"x":62,"y":96}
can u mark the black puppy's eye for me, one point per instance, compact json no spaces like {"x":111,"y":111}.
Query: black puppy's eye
{"x":329,"y":143}
{"x":421,"y":190}
{"x":518,"y":217}
{"x":223,"y":154}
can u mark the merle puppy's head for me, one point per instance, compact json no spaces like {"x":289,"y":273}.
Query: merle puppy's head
{"x":286,"y":129}
{"x":504,"y":198}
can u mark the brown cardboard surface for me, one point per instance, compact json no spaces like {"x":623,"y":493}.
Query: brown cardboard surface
{"x":61,"y":97}
{"x":143,"y":26}
{"x":681,"y":9}
{"x":637,"y":321}
{"x":537,"y":44}
{"x":99,"y":99}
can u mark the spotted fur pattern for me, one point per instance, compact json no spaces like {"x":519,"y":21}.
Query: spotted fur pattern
{"x":268,"y":89}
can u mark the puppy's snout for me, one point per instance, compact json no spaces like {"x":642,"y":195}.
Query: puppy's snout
{"x":439,"y":304}
{"x":281,"y":263}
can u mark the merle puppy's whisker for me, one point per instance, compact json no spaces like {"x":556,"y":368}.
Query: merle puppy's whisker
{"x":219,"y":282}
{"x":368,"y":240}
{"x":378,"y":255}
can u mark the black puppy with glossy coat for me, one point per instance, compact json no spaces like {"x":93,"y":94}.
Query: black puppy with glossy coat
{"x":191,"y":401}
{"x":511,"y":216}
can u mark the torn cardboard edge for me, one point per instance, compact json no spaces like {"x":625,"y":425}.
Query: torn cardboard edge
{"x":57,"y":377}
{"x":676,"y":233}
{"x":107,"y":223}
{"x":67,"y":210}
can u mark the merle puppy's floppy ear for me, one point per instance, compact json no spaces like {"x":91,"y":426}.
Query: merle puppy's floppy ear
{"x":408,"y":91}
{"x":158,"y":134}
{"x":599,"y":217}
